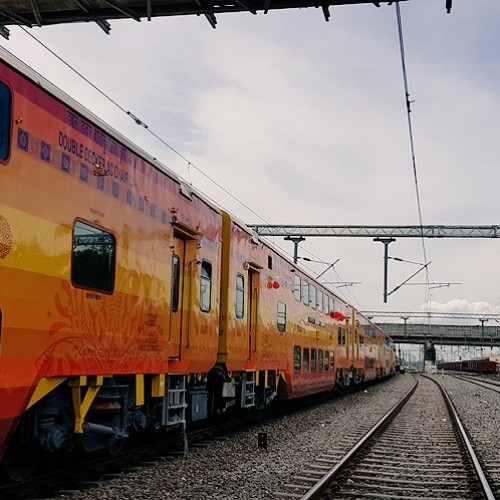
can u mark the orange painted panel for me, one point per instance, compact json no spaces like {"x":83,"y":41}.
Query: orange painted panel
{"x":62,"y":168}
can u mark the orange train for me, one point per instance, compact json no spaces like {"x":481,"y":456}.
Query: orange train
{"x":129,"y":301}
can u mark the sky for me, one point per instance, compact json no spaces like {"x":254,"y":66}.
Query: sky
{"x":304,"y":121}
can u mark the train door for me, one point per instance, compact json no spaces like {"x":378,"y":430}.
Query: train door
{"x":176,"y":298}
{"x":253,"y":310}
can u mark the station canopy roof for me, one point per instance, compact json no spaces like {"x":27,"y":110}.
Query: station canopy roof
{"x":45,"y":12}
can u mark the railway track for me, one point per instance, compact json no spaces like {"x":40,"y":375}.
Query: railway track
{"x":487,"y":384}
{"x":418,"y":450}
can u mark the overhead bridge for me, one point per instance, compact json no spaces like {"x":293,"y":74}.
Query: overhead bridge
{"x":466,"y":335}
{"x":46,"y":12}
{"x":408,"y":331}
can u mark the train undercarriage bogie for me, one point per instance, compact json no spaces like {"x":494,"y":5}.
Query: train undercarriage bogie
{"x":23,"y":454}
{"x":246,"y":390}
{"x":106,"y":424}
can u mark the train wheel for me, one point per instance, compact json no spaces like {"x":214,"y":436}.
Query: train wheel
{"x":115,"y":446}
{"x":20,"y":461}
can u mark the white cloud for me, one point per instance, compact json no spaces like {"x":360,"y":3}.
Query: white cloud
{"x":461,"y":306}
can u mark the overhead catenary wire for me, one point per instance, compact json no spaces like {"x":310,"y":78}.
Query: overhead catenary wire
{"x":412,"y":143}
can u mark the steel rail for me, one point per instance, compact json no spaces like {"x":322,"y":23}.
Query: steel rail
{"x":478,"y":470}
{"x":321,"y":485}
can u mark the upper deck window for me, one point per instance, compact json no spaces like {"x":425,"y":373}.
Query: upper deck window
{"x":281,"y":316}
{"x":296,"y":288}
{"x":206,"y":286}
{"x":240,"y":296}
{"x":305,"y":292}
{"x":312,"y":296}
{"x":5,"y":117}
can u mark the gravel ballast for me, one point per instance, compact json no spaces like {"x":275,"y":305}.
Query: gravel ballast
{"x":235,"y":469}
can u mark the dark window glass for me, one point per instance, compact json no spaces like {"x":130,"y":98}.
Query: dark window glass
{"x":296,"y":359}
{"x":341,"y":335}
{"x":331,"y":361}
{"x":240,"y":295}
{"x":305,"y":292}
{"x":319,"y":298}
{"x":281,"y":317}
{"x":93,"y":260}
{"x":312,"y":296}
{"x":176,"y":282}
{"x":269,"y":262}
{"x":205,"y":286}
{"x":313,"y":360}
{"x":320,"y":360}
{"x":5,"y":117}
{"x":305,"y":359}
{"x":327,"y":354}
{"x":296,"y":288}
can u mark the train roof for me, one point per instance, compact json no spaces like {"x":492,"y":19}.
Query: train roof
{"x":186,"y":188}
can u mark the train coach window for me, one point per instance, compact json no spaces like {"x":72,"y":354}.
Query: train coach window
{"x":313,"y":360}
{"x":296,"y":359}
{"x":281,"y":317}
{"x":176,"y":282}
{"x":93,"y":258}
{"x":5,"y":116}
{"x":240,"y":295}
{"x":305,"y":292}
{"x":327,"y":360}
{"x":296,"y":288}
{"x":341,"y":336}
{"x":331,"y":304}
{"x":319,"y":302}
{"x":331,"y":361}
{"x":205,"y":286}
{"x":305,"y":359}
{"x":320,"y":360}
{"x":312,"y":296}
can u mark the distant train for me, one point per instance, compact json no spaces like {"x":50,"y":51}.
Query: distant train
{"x":471,"y":365}
{"x":129,"y":301}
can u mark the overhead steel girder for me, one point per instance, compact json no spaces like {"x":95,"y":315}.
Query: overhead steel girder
{"x":47,"y":12}
{"x":440,"y":231}
{"x":443,"y":334}
{"x":432,"y":314}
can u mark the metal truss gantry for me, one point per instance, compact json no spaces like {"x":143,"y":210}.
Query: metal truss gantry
{"x":431,"y":314}
{"x":383,"y":234}
{"x":438,"y":231}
